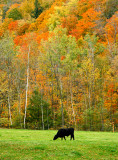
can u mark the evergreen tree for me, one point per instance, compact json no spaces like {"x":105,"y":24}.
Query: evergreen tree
{"x":37,"y":10}
{"x":111,"y":8}
{"x":39,"y":111}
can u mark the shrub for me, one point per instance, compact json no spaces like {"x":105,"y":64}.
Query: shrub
{"x":4,"y":122}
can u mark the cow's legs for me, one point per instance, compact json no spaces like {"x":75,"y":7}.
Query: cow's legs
{"x":63,"y":137}
{"x":72,"y":136}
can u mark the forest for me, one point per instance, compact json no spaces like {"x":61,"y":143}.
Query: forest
{"x":59,"y":64}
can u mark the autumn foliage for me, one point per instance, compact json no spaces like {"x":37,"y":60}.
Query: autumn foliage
{"x":59,"y":68}
{"x":13,"y":26}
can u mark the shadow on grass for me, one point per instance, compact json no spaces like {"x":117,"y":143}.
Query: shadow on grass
{"x":42,"y":147}
{"x":108,"y":150}
{"x":78,"y":154}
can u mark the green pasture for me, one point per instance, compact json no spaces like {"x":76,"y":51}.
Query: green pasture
{"x":16,"y":144}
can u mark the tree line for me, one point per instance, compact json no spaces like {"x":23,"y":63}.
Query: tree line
{"x":58,"y":64}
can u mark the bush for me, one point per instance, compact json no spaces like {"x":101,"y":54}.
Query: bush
{"x":108,"y":125}
{"x":4,"y":122}
{"x":18,"y":121}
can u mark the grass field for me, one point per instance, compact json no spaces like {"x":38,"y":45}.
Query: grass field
{"x":38,"y":145}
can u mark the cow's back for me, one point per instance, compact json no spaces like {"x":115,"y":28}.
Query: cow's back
{"x":69,"y":131}
{"x":65,"y":132}
{"x":61,"y":132}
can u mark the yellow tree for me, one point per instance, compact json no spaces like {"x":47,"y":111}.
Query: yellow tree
{"x":90,"y":74}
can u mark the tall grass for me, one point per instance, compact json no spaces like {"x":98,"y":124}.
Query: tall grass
{"x":38,"y":145}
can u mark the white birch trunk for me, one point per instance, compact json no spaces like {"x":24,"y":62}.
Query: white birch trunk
{"x":72,"y":99}
{"x":9,"y":110}
{"x":42,"y":111}
{"x":9,"y":105}
{"x":26,"y":88}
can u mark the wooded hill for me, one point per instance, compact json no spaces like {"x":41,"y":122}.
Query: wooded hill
{"x":59,"y":64}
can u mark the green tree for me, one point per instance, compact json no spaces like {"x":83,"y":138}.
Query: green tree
{"x":90,"y":77}
{"x":38,"y":111}
{"x":6,"y":64}
{"x":37,"y":10}
{"x":61,"y":53}
{"x":15,"y":14}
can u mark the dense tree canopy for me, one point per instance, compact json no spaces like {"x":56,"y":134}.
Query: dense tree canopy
{"x":15,"y":14}
{"x":59,"y":64}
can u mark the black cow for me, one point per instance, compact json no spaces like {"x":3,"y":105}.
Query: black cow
{"x":64,"y":132}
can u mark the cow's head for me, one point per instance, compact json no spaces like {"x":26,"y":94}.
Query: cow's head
{"x":55,"y":137}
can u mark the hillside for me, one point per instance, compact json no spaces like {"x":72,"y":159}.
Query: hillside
{"x":59,"y":64}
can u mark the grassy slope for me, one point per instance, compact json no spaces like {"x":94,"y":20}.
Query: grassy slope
{"x":34,"y":145}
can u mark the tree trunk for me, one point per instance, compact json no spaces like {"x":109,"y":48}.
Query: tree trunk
{"x":9,"y":106}
{"x":62,"y":112}
{"x":59,"y":86}
{"x":71,"y":93}
{"x":42,"y":109}
{"x":26,"y":89}
{"x":19,"y":107}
